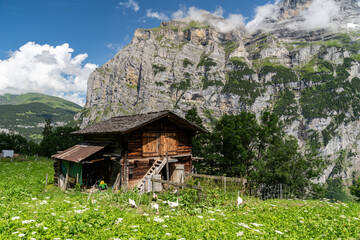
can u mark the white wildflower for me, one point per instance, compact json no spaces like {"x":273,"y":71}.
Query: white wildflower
{"x":279,"y":232}
{"x":134,"y":226}
{"x":356,"y":218}
{"x":158,"y":219}
{"x":79,"y":211}
{"x":67,"y":201}
{"x":239,"y":234}
{"x":165,"y":226}
{"x":168,"y":234}
{"x":256,"y":224}
{"x":244,"y":225}
{"x":33,"y":233}
{"x":342,"y":216}
{"x":15,"y":218}
{"x":45,"y":228}
{"x":212,"y":219}
{"x":54,"y":214}
{"x":47,"y":197}
{"x":119,"y":220}
{"x":166,"y":216}
{"x":43,"y":202}
{"x":145,"y":214}
{"x":200,"y":217}
{"x":27,"y":221}
{"x":21,"y":235}
{"x":15,"y":232}
{"x":34,"y":198}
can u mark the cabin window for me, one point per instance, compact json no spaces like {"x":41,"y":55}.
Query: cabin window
{"x":150,"y":144}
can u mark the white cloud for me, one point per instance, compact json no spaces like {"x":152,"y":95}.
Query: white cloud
{"x":319,"y":14}
{"x":268,"y":11}
{"x":114,"y":46}
{"x":157,"y":15}
{"x":358,"y":3}
{"x":129,"y":4}
{"x":46,"y":69}
{"x":219,"y":11}
{"x":214,"y":19}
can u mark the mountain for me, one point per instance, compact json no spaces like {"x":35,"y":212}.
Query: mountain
{"x":25,"y":114}
{"x":302,"y":62}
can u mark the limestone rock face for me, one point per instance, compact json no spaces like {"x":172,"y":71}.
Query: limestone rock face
{"x":309,"y":77}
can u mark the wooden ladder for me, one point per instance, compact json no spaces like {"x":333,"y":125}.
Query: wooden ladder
{"x":155,"y":169}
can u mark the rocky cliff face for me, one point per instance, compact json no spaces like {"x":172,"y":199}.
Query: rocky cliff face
{"x":309,"y":77}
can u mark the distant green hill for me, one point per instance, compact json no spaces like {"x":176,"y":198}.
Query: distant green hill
{"x":25,"y":114}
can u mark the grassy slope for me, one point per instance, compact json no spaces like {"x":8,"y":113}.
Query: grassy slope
{"x":51,"y":101}
{"x":23,"y":113}
{"x":108,"y":216}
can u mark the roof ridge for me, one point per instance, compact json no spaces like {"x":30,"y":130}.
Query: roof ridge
{"x":164,"y":111}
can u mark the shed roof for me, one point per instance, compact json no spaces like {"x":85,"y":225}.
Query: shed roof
{"x":80,"y":152}
{"x":126,"y":124}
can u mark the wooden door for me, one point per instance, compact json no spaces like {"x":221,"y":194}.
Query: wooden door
{"x":169,"y":144}
{"x":150,"y":144}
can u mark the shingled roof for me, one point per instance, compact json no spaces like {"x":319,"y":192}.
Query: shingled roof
{"x":126,"y":124}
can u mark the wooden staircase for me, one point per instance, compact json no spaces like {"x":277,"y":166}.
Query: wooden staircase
{"x":155,"y":169}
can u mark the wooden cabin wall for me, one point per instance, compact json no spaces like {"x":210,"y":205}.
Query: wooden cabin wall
{"x":57,"y":170}
{"x":135,"y":145}
{"x":116,"y":141}
{"x":134,"y":139}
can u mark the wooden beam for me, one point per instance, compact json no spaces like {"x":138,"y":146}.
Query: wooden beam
{"x":173,"y":160}
{"x":177,"y":184}
{"x":229,"y":179}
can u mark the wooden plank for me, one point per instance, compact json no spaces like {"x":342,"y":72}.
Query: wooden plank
{"x":177,"y":184}
{"x":150,"y":144}
{"x":229,"y":179}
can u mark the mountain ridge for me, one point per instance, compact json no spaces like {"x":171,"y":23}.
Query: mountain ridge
{"x":309,"y":77}
{"x":25,"y":114}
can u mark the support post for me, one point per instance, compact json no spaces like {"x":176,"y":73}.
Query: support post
{"x":126,"y":171}
{"x":46,"y":180}
{"x":77,"y":178}
{"x":224,"y":180}
{"x":152,"y":185}
{"x":199,"y":192}
{"x":167,"y":167}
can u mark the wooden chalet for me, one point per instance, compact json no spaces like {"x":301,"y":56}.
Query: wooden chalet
{"x":129,"y":148}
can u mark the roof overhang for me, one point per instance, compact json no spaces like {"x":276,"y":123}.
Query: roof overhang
{"x":80,"y":152}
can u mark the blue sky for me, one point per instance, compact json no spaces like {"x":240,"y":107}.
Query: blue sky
{"x":66,"y":39}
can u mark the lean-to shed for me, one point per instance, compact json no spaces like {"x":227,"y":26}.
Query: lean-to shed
{"x":130,"y":148}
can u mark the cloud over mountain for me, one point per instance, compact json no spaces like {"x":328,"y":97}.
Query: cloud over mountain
{"x":46,"y":69}
{"x":215,"y":19}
